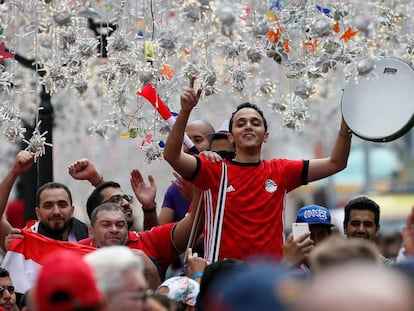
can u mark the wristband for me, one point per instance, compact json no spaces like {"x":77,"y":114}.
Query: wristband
{"x":99,"y":181}
{"x":197,"y":275}
{"x":149,"y":210}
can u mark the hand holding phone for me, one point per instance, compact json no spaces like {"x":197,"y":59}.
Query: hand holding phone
{"x":299,"y":229}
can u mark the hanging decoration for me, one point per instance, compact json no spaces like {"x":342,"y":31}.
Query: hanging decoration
{"x":274,"y":53}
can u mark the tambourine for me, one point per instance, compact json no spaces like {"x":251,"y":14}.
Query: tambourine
{"x":379,"y":106}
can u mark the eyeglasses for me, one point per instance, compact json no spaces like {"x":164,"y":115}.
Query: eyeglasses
{"x":10,"y":289}
{"x":140,"y":295}
{"x":118,"y":198}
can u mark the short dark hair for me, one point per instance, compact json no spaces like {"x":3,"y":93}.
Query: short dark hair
{"x":105,"y":207}
{"x":52,"y":185}
{"x":213,"y":274}
{"x":247,"y":105}
{"x":4,"y":273}
{"x":362,"y":203}
{"x":96,"y":198}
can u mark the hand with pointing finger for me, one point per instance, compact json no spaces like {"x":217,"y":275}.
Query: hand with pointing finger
{"x":195,"y":264}
{"x":190,"y":97}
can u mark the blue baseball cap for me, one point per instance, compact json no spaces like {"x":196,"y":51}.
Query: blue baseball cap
{"x":314,"y":215}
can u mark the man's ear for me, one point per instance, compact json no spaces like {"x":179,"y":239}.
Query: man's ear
{"x":90,"y":232}
{"x":266,"y":137}
{"x":230,"y":138}
{"x":378,"y":229}
{"x":37,"y":212}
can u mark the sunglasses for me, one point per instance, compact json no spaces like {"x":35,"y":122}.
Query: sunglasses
{"x":225,"y":154}
{"x":10,"y":289}
{"x":118,"y":198}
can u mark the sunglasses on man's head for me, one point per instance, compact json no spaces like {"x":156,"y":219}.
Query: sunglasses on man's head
{"x":118,"y":198}
{"x":10,"y":289}
{"x":225,"y":154}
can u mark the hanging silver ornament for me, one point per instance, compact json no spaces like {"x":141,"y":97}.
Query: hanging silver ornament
{"x":304,"y":88}
{"x":254,"y":54}
{"x":322,"y":27}
{"x":365,"y":66}
{"x":62,"y":18}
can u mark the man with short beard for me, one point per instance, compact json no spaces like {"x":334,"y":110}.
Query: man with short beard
{"x":55,"y":214}
{"x":54,"y":208}
{"x":362,"y":221}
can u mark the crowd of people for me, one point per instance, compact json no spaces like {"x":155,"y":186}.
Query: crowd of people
{"x":218,"y":242}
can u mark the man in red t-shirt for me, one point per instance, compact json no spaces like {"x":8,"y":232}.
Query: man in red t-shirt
{"x":109,"y":227}
{"x":54,"y":208}
{"x":162,"y":244}
{"x":250,"y":222}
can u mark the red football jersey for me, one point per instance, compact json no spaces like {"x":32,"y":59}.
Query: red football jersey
{"x":255,"y":199}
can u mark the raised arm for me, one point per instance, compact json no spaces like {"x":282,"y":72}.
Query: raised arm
{"x":183,"y":228}
{"x":84,"y":169}
{"x":321,"y":168}
{"x":181,"y":162}
{"x":173,"y":206}
{"x":146,"y":196}
{"x":23,"y":162}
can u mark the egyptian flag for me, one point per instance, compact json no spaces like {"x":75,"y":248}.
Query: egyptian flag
{"x":150,"y":93}
{"x":25,"y":256}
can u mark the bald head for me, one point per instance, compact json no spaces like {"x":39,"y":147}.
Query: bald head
{"x":200,"y":133}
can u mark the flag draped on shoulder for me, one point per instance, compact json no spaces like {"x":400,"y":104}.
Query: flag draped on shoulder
{"x":25,"y":256}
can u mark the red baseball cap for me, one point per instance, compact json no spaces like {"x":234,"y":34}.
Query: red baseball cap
{"x":66,"y":282}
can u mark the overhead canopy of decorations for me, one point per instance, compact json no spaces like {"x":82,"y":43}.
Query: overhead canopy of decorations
{"x":107,"y":51}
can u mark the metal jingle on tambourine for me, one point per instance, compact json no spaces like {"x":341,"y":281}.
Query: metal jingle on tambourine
{"x":379,"y":106}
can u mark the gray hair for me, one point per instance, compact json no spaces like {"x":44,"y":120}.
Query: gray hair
{"x":111,"y":264}
{"x":104,"y":207}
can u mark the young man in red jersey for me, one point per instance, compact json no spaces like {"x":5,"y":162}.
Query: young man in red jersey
{"x":253,"y":196}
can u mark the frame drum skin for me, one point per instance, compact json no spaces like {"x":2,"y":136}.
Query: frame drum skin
{"x":379,"y":106}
